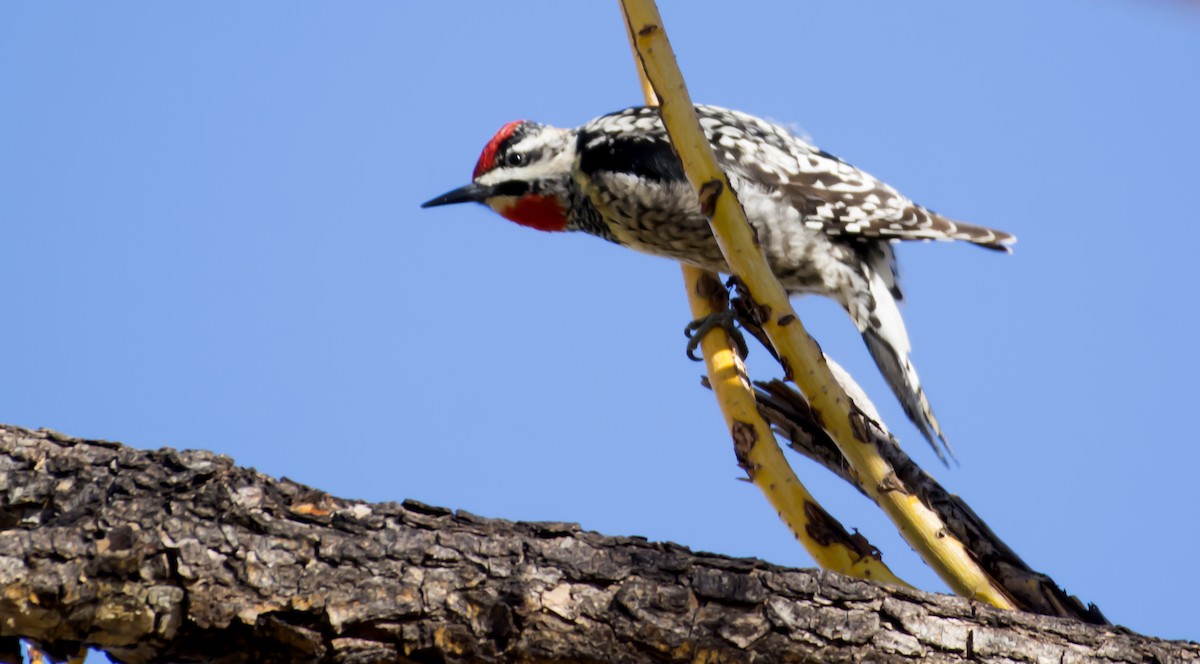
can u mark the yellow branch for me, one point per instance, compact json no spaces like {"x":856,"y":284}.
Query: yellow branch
{"x":802,"y":359}
{"x":759,"y":455}
{"x":757,"y":450}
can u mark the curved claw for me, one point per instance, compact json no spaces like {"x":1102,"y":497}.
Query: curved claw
{"x":724,"y":320}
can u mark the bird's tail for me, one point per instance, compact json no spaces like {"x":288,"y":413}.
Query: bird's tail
{"x":982,"y":236}
{"x":883,"y":329}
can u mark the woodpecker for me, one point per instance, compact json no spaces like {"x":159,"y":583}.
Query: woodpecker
{"x":826,"y":227}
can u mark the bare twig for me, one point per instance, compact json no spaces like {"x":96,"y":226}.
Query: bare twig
{"x":757,"y":451}
{"x":802,"y":360}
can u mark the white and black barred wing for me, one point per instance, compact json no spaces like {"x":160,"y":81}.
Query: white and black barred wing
{"x":832,"y":195}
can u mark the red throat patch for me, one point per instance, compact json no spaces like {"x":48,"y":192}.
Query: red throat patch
{"x":541,"y":212}
{"x":487,"y":158}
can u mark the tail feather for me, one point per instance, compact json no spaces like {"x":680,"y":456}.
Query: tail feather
{"x":902,"y":378}
{"x":981,"y":236}
{"x":883,"y":331}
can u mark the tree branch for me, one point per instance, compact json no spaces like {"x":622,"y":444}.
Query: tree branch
{"x":182,"y":556}
{"x":1034,"y":591}
{"x":831,"y":546}
{"x":803,"y":362}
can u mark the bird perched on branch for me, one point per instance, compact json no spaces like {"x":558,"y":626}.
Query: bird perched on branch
{"x":825,"y":226}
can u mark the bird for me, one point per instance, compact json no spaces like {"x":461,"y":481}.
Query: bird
{"x":826,"y":227}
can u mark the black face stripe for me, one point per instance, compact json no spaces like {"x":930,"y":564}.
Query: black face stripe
{"x":650,"y":159}
{"x":516,"y":188}
{"x":534,"y":156}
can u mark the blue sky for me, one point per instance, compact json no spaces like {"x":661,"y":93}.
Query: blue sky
{"x":211,"y":238}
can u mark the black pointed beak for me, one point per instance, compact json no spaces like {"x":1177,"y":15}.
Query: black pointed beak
{"x":472,"y":193}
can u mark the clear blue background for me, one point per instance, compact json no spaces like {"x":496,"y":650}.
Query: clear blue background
{"x":210,"y":238}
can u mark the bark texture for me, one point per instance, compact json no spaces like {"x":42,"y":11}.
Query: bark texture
{"x":182,"y":556}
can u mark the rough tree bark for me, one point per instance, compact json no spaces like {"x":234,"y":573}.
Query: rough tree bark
{"x":182,"y":556}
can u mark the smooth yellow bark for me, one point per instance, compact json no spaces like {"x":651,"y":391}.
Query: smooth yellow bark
{"x":803,"y":361}
{"x":763,"y":459}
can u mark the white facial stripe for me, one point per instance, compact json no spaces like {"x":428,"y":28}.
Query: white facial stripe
{"x":501,"y":204}
{"x":549,"y":137}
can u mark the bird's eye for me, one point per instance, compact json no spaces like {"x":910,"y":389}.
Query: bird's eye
{"x":514,"y":159}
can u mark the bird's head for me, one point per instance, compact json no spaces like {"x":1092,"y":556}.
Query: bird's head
{"x":523,"y":173}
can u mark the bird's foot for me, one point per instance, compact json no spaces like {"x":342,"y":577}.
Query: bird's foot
{"x":723,"y":320}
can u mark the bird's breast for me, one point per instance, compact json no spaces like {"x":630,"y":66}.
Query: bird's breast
{"x":664,"y":219}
